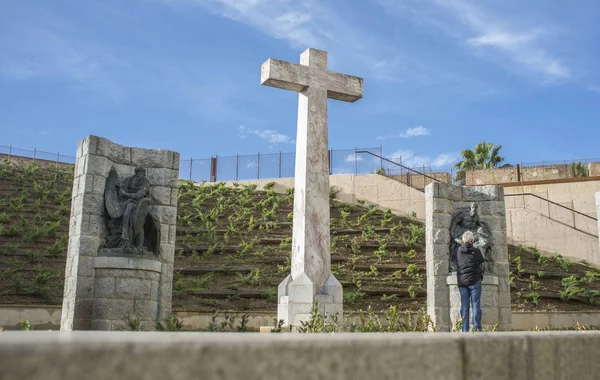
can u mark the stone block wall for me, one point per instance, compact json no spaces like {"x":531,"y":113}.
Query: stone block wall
{"x":598,"y":213}
{"x":87,"y":230}
{"x":594,"y":169}
{"x":125,"y":287}
{"x":442,"y":200}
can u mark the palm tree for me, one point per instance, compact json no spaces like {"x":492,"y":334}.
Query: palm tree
{"x":485,"y":156}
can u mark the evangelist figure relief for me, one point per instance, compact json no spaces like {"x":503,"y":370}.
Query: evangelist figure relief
{"x":468,"y":220}
{"x":132,"y":222}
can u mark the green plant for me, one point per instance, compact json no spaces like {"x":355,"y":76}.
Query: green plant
{"x":409,"y":256}
{"x":387,"y":219}
{"x":570,"y":288}
{"x":535,"y":252}
{"x":564,"y":264}
{"x":578,"y":169}
{"x":412,"y":290}
{"x":372,"y":210}
{"x":333,"y":192}
{"x":246,"y":247}
{"x":533,"y":297}
{"x":387,"y":298}
{"x":590,"y":295}
{"x":517,"y":261}
{"x":133,"y":323}
{"x":4,"y":217}
{"x":12,"y":230}
{"x":412,"y":271}
{"x":203,"y":281}
{"x":373,"y":271}
{"x":368,"y":233}
{"x":286,"y":267}
{"x":254,"y":277}
{"x":59,"y":246}
{"x":243,"y":327}
{"x":396,"y":230}
{"x":278,"y":325}
{"x":171,"y":324}
{"x":351,"y":297}
{"x":417,"y":233}
{"x":458,"y":324}
{"x":9,"y":249}
{"x":355,"y":245}
{"x":320,"y":323}
{"x":381,"y":252}
{"x":43,"y":276}
{"x":18,"y":282}
{"x":484,"y":156}
{"x":286,"y":244}
{"x":26,"y":325}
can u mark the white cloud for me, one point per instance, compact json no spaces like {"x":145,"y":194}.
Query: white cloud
{"x":43,"y":132}
{"x":501,"y":37}
{"x":353,"y":157}
{"x":270,"y":135}
{"x":410,"y":132}
{"x":410,"y":159}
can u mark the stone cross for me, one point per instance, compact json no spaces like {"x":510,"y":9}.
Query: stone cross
{"x":310,"y":279}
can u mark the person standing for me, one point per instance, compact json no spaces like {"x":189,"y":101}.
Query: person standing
{"x":470,"y":274}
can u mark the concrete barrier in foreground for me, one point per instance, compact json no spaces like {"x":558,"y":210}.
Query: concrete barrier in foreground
{"x":155,"y":355}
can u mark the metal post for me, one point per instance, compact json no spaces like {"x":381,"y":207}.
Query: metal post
{"x":573,"y":212}
{"x":548,"y":200}
{"x":380,"y":157}
{"x":355,"y":162}
{"x":191,"y":163}
{"x":279,"y":164}
{"x":57,"y":158}
{"x":213,"y":169}
{"x":237,"y":165}
{"x":258,"y":166}
{"x":34,"y":151}
{"x":329,"y":151}
{"x":9,"y":152}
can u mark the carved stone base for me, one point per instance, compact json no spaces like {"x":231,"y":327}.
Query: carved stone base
{"x":297,"y":297}
{"x":125,"y":287}
{"x":493,"y":312}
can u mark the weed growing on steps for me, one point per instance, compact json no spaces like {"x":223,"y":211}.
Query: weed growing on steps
{"x":227,"y":323}
{"x":369,"y":321}
{"x":171,"y":324}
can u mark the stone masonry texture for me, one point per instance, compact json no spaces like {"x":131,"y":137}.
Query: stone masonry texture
{"x":85,"y":284}
{"x":443,"y":300}
{"x":400,"y":356}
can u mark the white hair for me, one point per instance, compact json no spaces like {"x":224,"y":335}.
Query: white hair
{"x":467,"y":237}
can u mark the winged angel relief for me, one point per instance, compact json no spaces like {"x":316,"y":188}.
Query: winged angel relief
{"x":134,"y":226}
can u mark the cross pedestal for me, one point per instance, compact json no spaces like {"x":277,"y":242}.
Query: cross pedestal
{"x":310,"y":279}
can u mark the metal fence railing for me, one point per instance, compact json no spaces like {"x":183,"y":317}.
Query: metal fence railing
{"x":229,"y":168}
{"x":342,"y":161}
{"x":563,"y":213}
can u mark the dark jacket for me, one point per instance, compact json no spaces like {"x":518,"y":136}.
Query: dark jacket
{"x":469,"y":268}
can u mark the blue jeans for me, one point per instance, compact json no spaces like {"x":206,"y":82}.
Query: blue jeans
{"x":470,"y":296}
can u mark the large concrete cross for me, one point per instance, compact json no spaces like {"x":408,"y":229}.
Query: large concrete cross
{"x":311,"y":257}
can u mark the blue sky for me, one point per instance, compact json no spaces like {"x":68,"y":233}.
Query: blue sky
{"x":439,"y":75}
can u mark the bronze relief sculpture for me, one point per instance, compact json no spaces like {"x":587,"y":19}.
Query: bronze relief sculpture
{"x":132,"y":221}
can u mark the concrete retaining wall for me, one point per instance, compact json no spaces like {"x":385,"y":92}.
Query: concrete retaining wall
{"x":371,"y":188}
{"x":48,"y":318}
{"x":122,"y":355}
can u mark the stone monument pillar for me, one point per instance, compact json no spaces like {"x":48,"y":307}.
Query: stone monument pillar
{"x":450,"y":211}
{"x":121,"y":236}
